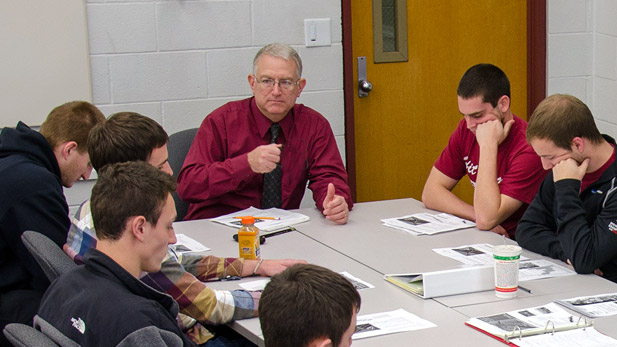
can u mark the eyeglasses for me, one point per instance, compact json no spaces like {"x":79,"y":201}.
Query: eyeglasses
{"x":268,"y":83}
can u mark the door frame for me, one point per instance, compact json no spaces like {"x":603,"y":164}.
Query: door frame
{"x":536,"y":74}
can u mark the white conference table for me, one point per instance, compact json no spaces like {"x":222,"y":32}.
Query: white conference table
{"x":384,"y":297}
{"x":367,"y":249}
{"x":385,"y":249}
{"x":388,"y":250}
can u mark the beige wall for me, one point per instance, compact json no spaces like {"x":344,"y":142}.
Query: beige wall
{"x":44,"y":60}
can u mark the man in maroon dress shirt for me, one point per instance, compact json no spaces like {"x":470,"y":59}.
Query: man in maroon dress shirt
{"x":243,"y":142}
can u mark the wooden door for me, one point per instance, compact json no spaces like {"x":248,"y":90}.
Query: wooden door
{"x":406,"y":120}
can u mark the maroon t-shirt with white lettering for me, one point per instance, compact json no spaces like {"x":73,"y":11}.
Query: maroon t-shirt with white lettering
{"x":519,"y":169}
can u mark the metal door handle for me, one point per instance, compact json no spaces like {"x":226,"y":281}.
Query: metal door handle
{"x":364,"y":86}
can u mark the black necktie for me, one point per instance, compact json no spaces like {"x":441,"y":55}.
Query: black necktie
{"x":272,"y":179}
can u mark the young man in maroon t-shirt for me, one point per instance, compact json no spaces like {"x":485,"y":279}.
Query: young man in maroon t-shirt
{"x":489,"y":146}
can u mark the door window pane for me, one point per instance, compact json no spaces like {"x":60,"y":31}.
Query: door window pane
{"x":388,"y":25}
{"x":389,"y":31}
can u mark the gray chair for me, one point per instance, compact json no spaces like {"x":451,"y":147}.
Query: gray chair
{"x":22,"y":335}
{"x":178,"y":147}
{"x":47,"y":254}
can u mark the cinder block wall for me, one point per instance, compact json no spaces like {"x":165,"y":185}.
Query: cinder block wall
{"x":582,"y":55}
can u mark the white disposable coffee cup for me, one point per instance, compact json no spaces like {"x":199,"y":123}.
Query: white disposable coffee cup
{"x":506,"y":270}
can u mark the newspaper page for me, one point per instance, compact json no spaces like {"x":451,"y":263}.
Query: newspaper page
{"x":359,"y":284}
{"x":186,"y":244}
{"x":276,"y":218}
{"x":539,"y":268}
{"x":601,"y":305}
{"x":388,"y":323}
{"x":476,"y":254}
{"x":482,"y":254}
{"x":429,"y":224}
{"x":260,"y":284}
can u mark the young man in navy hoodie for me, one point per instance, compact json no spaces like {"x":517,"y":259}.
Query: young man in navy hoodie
{"x":34,"y":168}
{"x":104,"y":303}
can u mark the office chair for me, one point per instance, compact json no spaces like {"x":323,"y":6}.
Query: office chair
{"x":47,"y":254}
{"x":22,"y":335}
{"x":178,"y":147}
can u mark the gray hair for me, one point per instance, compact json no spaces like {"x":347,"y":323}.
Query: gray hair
{"x":279,"y":50}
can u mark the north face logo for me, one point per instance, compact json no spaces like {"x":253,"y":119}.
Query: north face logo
{"x":79,"y":324}
{"x":612,"y":227}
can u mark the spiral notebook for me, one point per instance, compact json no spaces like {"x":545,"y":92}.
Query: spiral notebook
{"x":547,"y":325}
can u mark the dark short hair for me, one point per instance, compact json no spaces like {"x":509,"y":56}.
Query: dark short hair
{"x":560,"y":118}
{"x":125,"y":190}
{"x":306,"y":302}
{"x":72,"y":121}
{"x":125,"y":136}
{"x":485,"y":80}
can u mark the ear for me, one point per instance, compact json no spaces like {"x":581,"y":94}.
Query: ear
{"x":137,"y":226}
{"x":67,"y":148}
{"x":503,"y":103}
{"x":301,"y":85}
{"x":578,"y":145}
{"x":321,"y":342}
{"x":252,"y":80}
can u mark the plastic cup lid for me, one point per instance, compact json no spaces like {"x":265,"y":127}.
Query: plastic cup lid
{"x":507,"y":250}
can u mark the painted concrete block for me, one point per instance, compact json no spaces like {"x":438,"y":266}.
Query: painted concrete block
{"x":99,"y":72}
{"x":567,"y":16}
{"x":570,"y":55}
{"x":158,"y":76}
{"x":121,"y":28}
{"x":202,"y":25}
{"x":228,"y":71}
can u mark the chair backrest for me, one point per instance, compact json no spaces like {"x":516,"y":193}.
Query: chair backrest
{"x":50,"y":257}
{"x":22,"y":335}
{"x":178,"y":147}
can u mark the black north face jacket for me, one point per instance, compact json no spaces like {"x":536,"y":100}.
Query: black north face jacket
{"x":563,"y":224}
{"x":101,"y":304}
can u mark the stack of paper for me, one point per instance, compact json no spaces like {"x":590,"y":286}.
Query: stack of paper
{"x":185,"y":244}
{"x":482,"y":254}
{"x":281,"y":218}
{"x":592,"y":306}
{"x":388,"y":323}
{"x":429,"y":224}
{"x":260,"y":284}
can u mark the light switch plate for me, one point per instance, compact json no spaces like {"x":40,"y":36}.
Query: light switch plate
{"x":317,"y":32}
